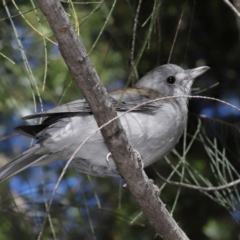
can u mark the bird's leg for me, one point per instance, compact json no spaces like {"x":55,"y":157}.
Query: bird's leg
{"x":139,"y":159}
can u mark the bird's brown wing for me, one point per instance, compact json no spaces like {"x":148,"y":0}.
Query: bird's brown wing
{"x":123,"y":100}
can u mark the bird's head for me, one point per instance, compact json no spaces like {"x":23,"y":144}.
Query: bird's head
{"x":170,"y":79}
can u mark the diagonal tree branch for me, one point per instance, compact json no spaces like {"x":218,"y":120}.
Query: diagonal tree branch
{"x":83,"y":72}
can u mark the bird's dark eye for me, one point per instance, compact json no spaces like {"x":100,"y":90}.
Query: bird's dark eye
{"x":171,"y":80}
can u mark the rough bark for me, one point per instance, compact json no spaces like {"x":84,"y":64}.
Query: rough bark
{"x":83,"y":72}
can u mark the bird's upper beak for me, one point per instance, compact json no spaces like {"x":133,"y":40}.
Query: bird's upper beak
{"x":195,"y":72}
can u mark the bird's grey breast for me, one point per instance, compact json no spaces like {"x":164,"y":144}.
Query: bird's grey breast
{"x":155,"y":135}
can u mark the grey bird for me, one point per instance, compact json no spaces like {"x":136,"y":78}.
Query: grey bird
{"x":152,"y":129}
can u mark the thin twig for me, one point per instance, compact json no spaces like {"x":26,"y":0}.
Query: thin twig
{"x":103,"y":27}
{"x":195,"y":187}
{"x":8,"y":136}
{"x":175,"y":37}
{"x":134,"y":32}
{"x":232,"y":7}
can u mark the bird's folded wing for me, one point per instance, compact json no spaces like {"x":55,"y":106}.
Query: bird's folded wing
{"x":123,"y":100}
{"x":76,"y":106}
{"x":126,"y":100}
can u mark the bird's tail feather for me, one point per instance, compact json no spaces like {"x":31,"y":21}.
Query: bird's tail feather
{"x":21,"y":162}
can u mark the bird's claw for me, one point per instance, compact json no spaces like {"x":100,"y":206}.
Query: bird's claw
{"x":139,"y":160}
{"x":108,"y":155}
{"x":155,"y":187}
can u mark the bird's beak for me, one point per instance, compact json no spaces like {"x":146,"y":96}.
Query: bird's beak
{"x":195,"y":72}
